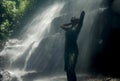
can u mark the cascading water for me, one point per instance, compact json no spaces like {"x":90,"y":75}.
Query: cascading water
{"x":31,"y":37}
{"x":38,"y":52}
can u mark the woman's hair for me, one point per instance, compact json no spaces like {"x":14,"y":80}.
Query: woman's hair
{"x":73,"y":18}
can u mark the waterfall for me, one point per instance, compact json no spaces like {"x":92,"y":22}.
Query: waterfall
{"x":39,"y":49}
{"x":30,"y":38}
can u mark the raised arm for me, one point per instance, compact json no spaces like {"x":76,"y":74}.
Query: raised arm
{"x":66,"y":26}
{"x":80,"y":22}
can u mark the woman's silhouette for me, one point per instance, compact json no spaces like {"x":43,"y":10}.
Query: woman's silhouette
{"x":71,"y":49}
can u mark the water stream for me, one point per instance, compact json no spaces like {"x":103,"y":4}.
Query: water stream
{"x":39,"y":50}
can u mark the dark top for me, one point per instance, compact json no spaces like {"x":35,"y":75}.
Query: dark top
{"x":72,"y":33}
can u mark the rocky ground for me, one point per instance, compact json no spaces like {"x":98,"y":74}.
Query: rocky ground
{"x":81,"y":78}
{"x":61,"y":78}
{"x":87,"y":79}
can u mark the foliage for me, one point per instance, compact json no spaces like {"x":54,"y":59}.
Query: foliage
{"x":11,"y":12}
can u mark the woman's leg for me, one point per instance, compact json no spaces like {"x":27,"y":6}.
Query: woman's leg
{"x":71,"y":75}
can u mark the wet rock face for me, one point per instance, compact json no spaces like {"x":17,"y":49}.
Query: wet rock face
{"x":2,"y":44}
{"x":5,"y":76}
{"x":106,"y":58}
{"x":116,"y":6}
{"x":1,"y":77}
